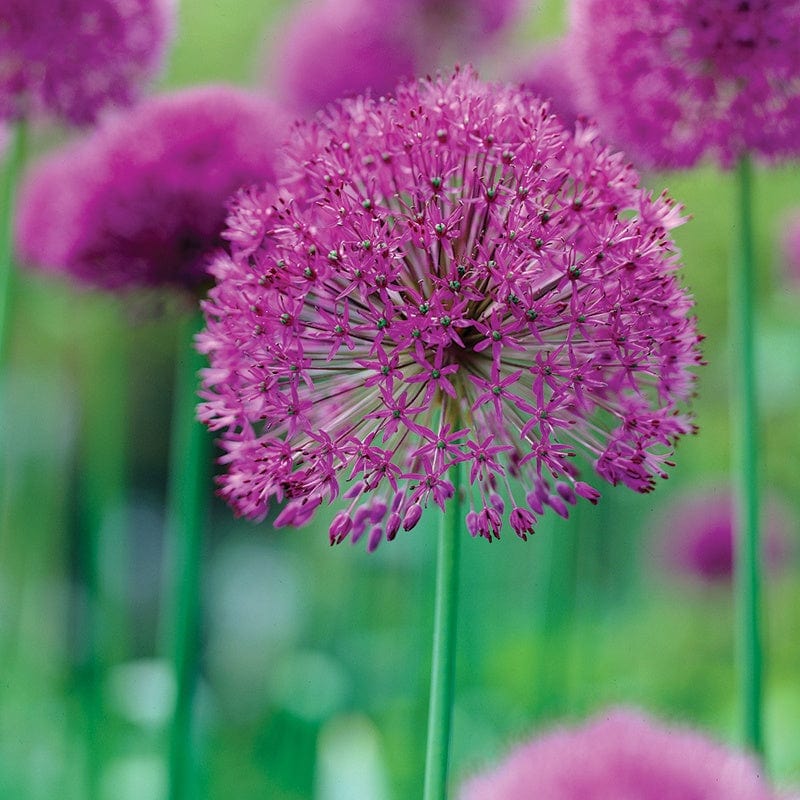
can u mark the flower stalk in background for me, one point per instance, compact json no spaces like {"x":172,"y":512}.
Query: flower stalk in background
{"x":676,"y":82}
{"x":443,"y":280}
{"x":621,"y":753}
{"x":139,"y":204}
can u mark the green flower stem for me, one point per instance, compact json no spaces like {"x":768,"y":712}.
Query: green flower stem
{"x":8,"y":189}
{"x":440,"y":709}
{"x":744,"y":417}
{"x":189,"y":491}
{"x":103,"y":534}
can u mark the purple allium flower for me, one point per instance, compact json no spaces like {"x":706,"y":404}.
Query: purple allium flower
{"x":696,"y":536}
{"x":622,"y":755}
{"x":141,"y":201}
{"x":549,"y":75}
{"x":674,"y":80}
{"x":446,"y":277}
{"x":341,"y":48}
{"x":791,"y":248}
{"x":73,"y":58}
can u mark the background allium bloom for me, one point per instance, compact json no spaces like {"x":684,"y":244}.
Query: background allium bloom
{"x":331,"y":49}
{"x":447,"y":277}
{"x":622,"y":755}
{"x":141,"y":201}
{"x":791,"y":249}
{"x":696,"y":536}
{"x":548,"y":75}
{"x":339,"y":48}
{"x":673,"y":80}
{"x":72,"y":58}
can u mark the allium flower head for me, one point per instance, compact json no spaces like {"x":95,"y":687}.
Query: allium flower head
{"x":622,"y":755}
{"x":549,"y":75}
{"x":696,"y":536}
{"x":332,"y":49}
{"x":446,"y":277}
{"x":674,"y":80}
{"x":339,"y":48}
{"x":141,"y":201}
{"x":72,"y":58}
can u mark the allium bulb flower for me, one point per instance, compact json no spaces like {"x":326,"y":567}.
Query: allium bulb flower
{"x":622,"y":754}
{"x":72,"y":58}
{"x":791,"y":249}
{"x":549,"y":75}
{"x":141,"y":201}
{"x":675,"y":80}
{"x":446,"y":277}
{"x":695,"y":537}
{"x":330,"y":49}
{"x":339,"y":48}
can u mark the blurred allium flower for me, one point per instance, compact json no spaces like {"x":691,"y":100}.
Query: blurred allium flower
{"x":674,"y":80}
{"x":791,"y":248}
{"x":446,"y":277}
{"x":340,"y":48}
{"x":549,"y":75}
{"x":141,"y":201}
{"x":622,"y":755}
{"x":696,"y":535}
{"x":73,"y":58}
{"x":337,"y":48}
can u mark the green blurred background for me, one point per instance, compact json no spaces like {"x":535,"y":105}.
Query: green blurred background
{"x":315,"y":661}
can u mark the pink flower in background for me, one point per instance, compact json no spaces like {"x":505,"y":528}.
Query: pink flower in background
{"x":790,"y":248}
{"x":72,"y":58}
{"x":338,"y":48}
{"x":621,"y":755}
{"x":548,"y":74}
{"x":696,"y":536}
{"x":141,"y":201}
{"x":331,"y":49}
{"x":446,"y":277}
{"x":673,"y":81}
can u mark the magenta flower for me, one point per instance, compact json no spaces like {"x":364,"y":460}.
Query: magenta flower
{"x":73,"y":58}
{"x":332,"y":49}
{"x":675,"y":80}
{"x":696,"y":535}
{"x":447,"y":277}
{"x":339,"y":48}
{"x":618,"y":755}
{"x":141,"y":202}
{"x":549,"y":75}
{"x":791,"y":248}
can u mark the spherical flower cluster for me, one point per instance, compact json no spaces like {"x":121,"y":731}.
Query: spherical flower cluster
{"x":791,"y":249}
{"x":340,"y":48}
{"x":549,"y":76}
{"x":73,"y":58}
{"x":696,"y":536}
{"x":141,"y":201}
{"x":446,"y":277}
{"x":621,"y":754}
{"x":675,"y":80}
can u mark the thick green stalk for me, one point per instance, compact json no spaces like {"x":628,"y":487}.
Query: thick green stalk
{"x":189,"y":491}
{"x":103,"y":532}
{"x":744,"y":418}
{"x":8,"y":190}
{"x":440,"y":709}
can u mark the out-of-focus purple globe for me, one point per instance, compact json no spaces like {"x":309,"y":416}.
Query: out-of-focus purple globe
{"x":141,"y":201}
{"x":621,"y":754}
